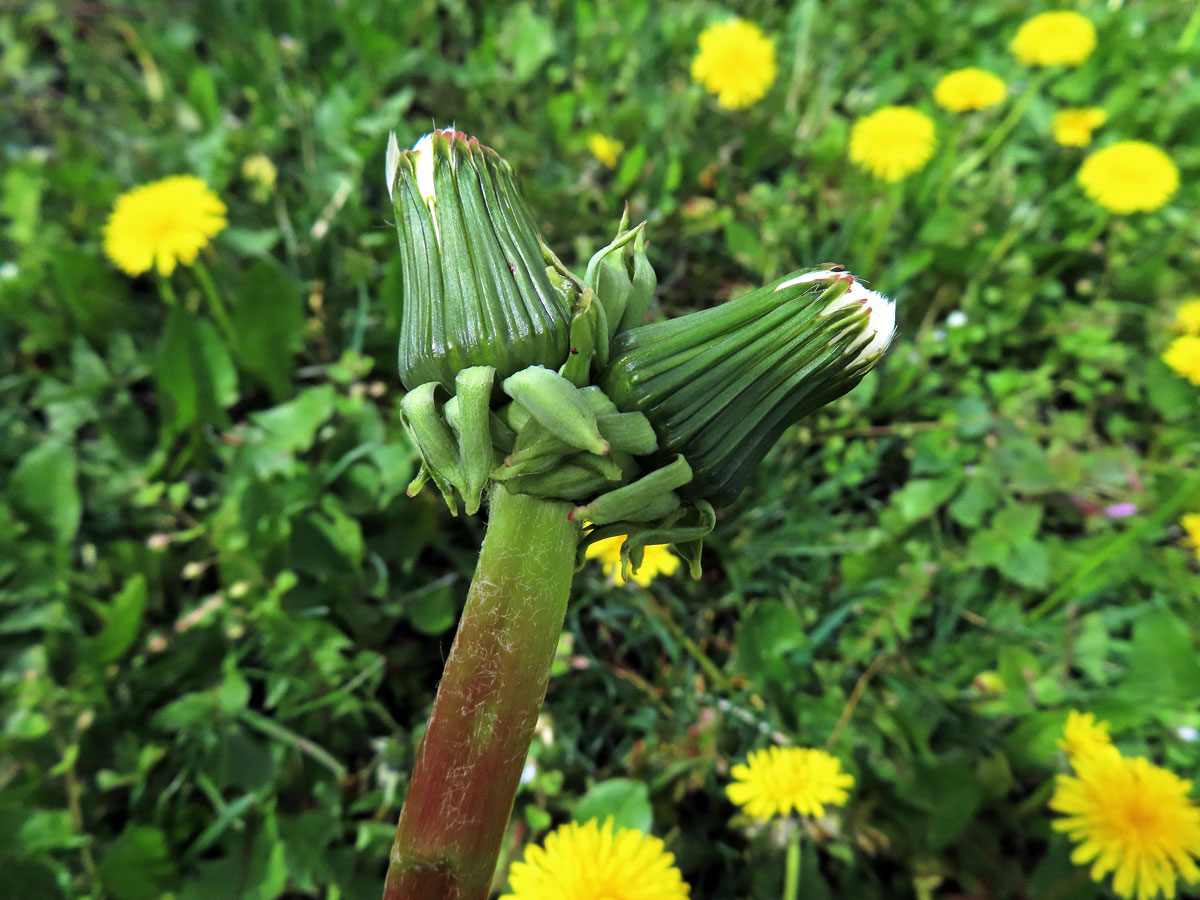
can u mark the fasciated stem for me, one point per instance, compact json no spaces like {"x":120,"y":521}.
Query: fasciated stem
{"x":470,"y":760}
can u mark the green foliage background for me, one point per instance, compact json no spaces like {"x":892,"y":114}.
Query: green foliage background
{"x":221,"y":620}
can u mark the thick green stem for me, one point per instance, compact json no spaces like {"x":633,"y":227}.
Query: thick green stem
{"x":791,"y":871}
{"x":469,"y":764}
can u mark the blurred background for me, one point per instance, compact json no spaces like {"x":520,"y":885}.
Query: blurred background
{"x":222,"y":621}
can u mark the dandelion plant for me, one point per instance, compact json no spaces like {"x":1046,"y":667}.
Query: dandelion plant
{"x":543,"y":399}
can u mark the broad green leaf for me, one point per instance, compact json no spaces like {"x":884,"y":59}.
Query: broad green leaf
{"x":43,"y":488}
{"x":433,"y":609}
{"x":1026,"y":563}
{"x":919,"y":498}
{"x":268,"y":322}
{"x":186,"y":711}
{"x":973,"y":503}
{"x":202,"y":94}
{"x":767,"y":634}
{"x":626,"y":801}
{"x":137,"y":865}
{"x":195,"y":376}
{"x":48,"y":829}
{"x":122,"y":618}
{"x":1164,"y":666}
{"x":526,"y":39}
{"x":292,"y":426}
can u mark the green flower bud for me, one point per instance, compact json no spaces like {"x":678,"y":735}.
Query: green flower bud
{"x":719,"y":386}
{"x":475,"y":287}
{"x":623,"y":279}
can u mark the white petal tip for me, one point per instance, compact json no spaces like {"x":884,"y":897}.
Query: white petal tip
{"x":810,"y":277}
{"x":881,"y":326}
{"x":423,"y":150}
{"x":391,"y":163}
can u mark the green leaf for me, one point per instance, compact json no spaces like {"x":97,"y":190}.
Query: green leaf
{"x":48,"y":829}
{"x":1164,"y":667}
{"x":1027,"y":563}
{"x":767,"y":634}
{"x":202,"y":95}
{"x":43,"y":488}
{"x":233,"y":693}
{"x":919,"y":498}
{"x":90,"y":293}
{"x":184,"y":712}
{"x":1017,"y":523}
{"x":291,"y":427}
{"x":526,"y":40}
{"x":433,"y":609}
{"x":973,"y":503}
{"x":138,"y":865}
{"x":268,"y":323}
{"x":122,"y":618}
{"x":194,"y":374}
{"x":626,"y":801}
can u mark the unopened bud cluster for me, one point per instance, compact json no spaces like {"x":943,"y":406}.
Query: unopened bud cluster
{"x":521,"y":373}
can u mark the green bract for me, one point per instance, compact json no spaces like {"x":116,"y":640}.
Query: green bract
{"x":475,"y":286}
{"x":720,"y":385}
{"x":524,"y":375}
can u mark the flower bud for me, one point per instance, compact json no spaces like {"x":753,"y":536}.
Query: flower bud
{"x":719,"y":386}
{"x":623,"y":279}
{"x":474,"y":282}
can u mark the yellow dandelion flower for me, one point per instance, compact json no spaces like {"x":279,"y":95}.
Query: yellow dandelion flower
{"x":657,"y":560}
{"x":736,"y":62}
{"x":1183,"y":355}
{"x":1129,"y":176}
{"x":1061,"y":38}
{"x":1074,"y":127}
{"x":1083,"y":735}
{"x":968,"y":89}
{"x":596,"y":862}
{"x":775,"y":781}
{"x":1131,"y":818}
{"x":892,"y":142}
{"x":607,"y":150}
{"x":1187,"y":317}
{"x":162,"y":223}
{"x":1191,"y":524}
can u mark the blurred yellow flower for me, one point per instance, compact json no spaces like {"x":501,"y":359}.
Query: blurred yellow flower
{"x":1074,"y":127}
{"x":892,"y":142}
{"x":657,"y":560}
{"x":1191,"y":524}
{"x":1187,"y":317}
{"x":596,"y":862}
{"x":1083,"y":735}
{"x":1183,"y":355}
{"x":1060,"y":38}
{"x":162,"y":223}
{"x":607,"y":150}
{"x":1129,"y":176}
{"x":1131,"y":818}
{"x":736,"y":62}
{"x":968,"y":89}
{"x":775,"y":781}
{"x":259,"y":171}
